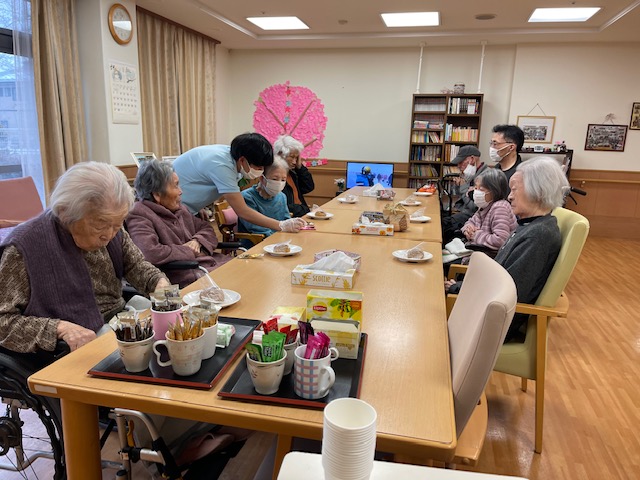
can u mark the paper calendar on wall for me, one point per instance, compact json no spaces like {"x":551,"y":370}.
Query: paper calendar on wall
{"x":125,"y":98}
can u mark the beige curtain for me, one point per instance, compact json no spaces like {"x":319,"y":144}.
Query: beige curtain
{"x":177,"y":83}
{"x":58,"y":89}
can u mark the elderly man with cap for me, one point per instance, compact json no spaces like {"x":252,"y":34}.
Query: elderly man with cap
{"x":469,"y":164}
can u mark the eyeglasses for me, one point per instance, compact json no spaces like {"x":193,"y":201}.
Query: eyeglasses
{"x":495,"y":144}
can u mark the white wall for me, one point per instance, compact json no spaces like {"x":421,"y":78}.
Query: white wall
{"x":108,"y":142}
{"x":367,"y":92}
{"x":589,"y":82}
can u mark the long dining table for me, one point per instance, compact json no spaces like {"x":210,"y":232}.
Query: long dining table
{"x":406,"y":375}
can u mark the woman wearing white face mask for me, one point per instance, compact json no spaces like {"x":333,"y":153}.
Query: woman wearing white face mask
{"x":490,"y":227}
{"x":266,"y":197}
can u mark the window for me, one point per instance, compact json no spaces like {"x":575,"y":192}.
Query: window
{"x":19,"y":140}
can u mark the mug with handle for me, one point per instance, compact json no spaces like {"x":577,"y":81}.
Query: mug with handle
{"x":313,"y":378}
{"x":185,"y":356}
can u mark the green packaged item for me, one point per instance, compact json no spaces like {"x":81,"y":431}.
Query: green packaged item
{"x":254,"y":351}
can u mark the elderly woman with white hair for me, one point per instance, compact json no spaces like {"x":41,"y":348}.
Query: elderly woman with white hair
{"x":537,"y":187}
{"x":299,"y":179}
{"x":164,"y":229}
{"x":61,"y":272}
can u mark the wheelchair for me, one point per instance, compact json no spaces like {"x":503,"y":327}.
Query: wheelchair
{"x":31,"y":429}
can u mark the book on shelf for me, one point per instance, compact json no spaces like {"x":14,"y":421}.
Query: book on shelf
{"x":430,"y":105}
{"x":459,"y":106}
{"x":427,"y":153}
{"x":460,"y":134}
{"x":420,"y":170}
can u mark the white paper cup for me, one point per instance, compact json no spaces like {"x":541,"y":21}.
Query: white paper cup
{"x":348,"y":439}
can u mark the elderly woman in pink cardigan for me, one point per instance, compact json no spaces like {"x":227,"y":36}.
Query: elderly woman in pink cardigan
{"x":494,"y":221}
{"x":164,"y":229}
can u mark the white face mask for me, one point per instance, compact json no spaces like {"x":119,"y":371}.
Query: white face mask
{"x":252,"y":174}
{"x":494,"y":155}
{"x":469,"y":172}
{"x":479,"y":198}
{"x":272,"y":187}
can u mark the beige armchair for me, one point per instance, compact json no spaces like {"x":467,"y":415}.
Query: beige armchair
{"x":528,"y":360}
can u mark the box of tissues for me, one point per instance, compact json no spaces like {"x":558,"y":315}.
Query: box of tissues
{"x":368,"y":227}
{"x":336,"y":270}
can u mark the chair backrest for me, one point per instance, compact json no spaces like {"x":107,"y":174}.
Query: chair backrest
{"x":477,"y":327}
{"x":574,"y":229}
{"x":19,"y":200}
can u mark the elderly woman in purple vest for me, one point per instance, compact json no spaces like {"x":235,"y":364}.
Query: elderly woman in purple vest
{"x":61,"y":272}
{"x":165,"y":230}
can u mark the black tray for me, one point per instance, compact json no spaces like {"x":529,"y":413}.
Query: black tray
{"x":347,"y":384}
{"x":210,"y":372}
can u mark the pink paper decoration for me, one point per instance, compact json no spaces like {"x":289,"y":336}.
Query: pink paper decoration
{"x":283,"y":109}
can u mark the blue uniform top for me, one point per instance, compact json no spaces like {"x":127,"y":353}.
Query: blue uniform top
{"x":275,"y":207}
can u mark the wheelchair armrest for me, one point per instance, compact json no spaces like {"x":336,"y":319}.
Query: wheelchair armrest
{"x":229,"y":245}
{"x":179,"y":265}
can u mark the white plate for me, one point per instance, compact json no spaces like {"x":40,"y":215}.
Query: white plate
{"x":423,"y":194}
{"x":230,"y":297}
{"x":346,"y":200}
{"x":403,"y":202}
{"x":313,"y":215}
{"x":422,"y":219}
{"x":402,"y":256}
{"x":293,"y":249}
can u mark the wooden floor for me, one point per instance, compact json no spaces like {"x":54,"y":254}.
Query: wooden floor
{"x":592,"y":404}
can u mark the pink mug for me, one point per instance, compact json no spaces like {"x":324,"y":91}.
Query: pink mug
{"x":160,"y":321}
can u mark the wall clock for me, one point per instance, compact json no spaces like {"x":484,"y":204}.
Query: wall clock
{"x":120,"y":24}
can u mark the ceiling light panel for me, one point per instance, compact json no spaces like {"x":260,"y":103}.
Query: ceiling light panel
{"x":563,"y":14}
{"x":278,"y":23}
{"x":411,"y":19}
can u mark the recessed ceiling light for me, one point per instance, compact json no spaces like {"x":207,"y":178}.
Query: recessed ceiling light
{"x":278,"y":23}
{"x":485,"y":16}
{"x":411,"y":19}
{"x":563,"y":14}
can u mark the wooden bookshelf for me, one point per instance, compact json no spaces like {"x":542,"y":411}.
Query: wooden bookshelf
{"x":440,"y":125}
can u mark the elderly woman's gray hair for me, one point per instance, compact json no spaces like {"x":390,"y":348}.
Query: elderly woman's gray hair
{"x":87,"y":188}
{"x":153,"y":177}
{"x":285,"y":144}
{"x":279,"y":163}
{"x":544,"y":181}
{"x":494,"y":180}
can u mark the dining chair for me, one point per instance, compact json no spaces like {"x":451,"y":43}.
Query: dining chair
{"x":19,"y":201}
{"x":528,"y":360}
{"x":227,"y":221}
{"x":477,"y":326}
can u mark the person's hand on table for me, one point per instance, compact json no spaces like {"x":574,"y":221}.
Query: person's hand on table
{"x":75,"y":335}
{"x":292,"y":225}
{"x":447,"y":284}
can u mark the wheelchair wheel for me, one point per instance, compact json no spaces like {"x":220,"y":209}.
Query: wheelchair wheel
{"x":30,"y":427}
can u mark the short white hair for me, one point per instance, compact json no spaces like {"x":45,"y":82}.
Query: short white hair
{"x":90,"y":187}
{"x":279,"y":163}
{"x":285,"y":144}
{"x":544,"y":181}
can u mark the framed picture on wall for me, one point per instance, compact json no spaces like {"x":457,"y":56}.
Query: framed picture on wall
{"x":606,"y":137}
{"x":142,"y":156}
{"x":634,"y":123}
{"x":537,"y":129}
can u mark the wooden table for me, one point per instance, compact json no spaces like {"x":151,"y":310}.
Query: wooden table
{"x":406,"y":376}
{"x":431,"y":203}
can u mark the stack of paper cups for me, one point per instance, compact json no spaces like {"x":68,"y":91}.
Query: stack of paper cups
{"x":348,"y":439}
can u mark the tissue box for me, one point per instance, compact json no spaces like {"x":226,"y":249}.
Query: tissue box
{"x":373,"y":216}
{"x":368,"y":229}
{"x":325,"y":253}
{"x":344,"y":335}
{"x":369,"y":193}
{"x":339,"y":315}
{"x":322,"y":278}
{"x":290,"y":316}
{"x":328,"y":304}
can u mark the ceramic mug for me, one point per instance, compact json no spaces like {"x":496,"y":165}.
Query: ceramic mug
{"x":266,"y":376}
{"x":185,"y":356}
{"x":135,"y":355}
{"x":288,"y":364}
{"x":160,"y":321}
{"x":313,"y":378}
{"x":210,"y":341}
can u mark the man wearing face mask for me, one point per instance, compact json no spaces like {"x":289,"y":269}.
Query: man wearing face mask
{"x":506,"y":142}
{"x":470,"y":166}
{"x":210,"y":171}
{"x":267,"y":197}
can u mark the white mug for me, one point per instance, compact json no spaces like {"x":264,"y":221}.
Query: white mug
{"x":185,"y":356}
{"x":266,"y":376}
{"x":135,"y":355}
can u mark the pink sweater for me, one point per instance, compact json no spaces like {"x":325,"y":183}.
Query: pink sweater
{"x":495,"y":223}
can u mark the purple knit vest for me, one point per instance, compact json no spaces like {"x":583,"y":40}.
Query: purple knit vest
{"x":58,"y":275}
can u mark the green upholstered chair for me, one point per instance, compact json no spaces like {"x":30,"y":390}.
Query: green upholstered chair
{"x":528,"y":360}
